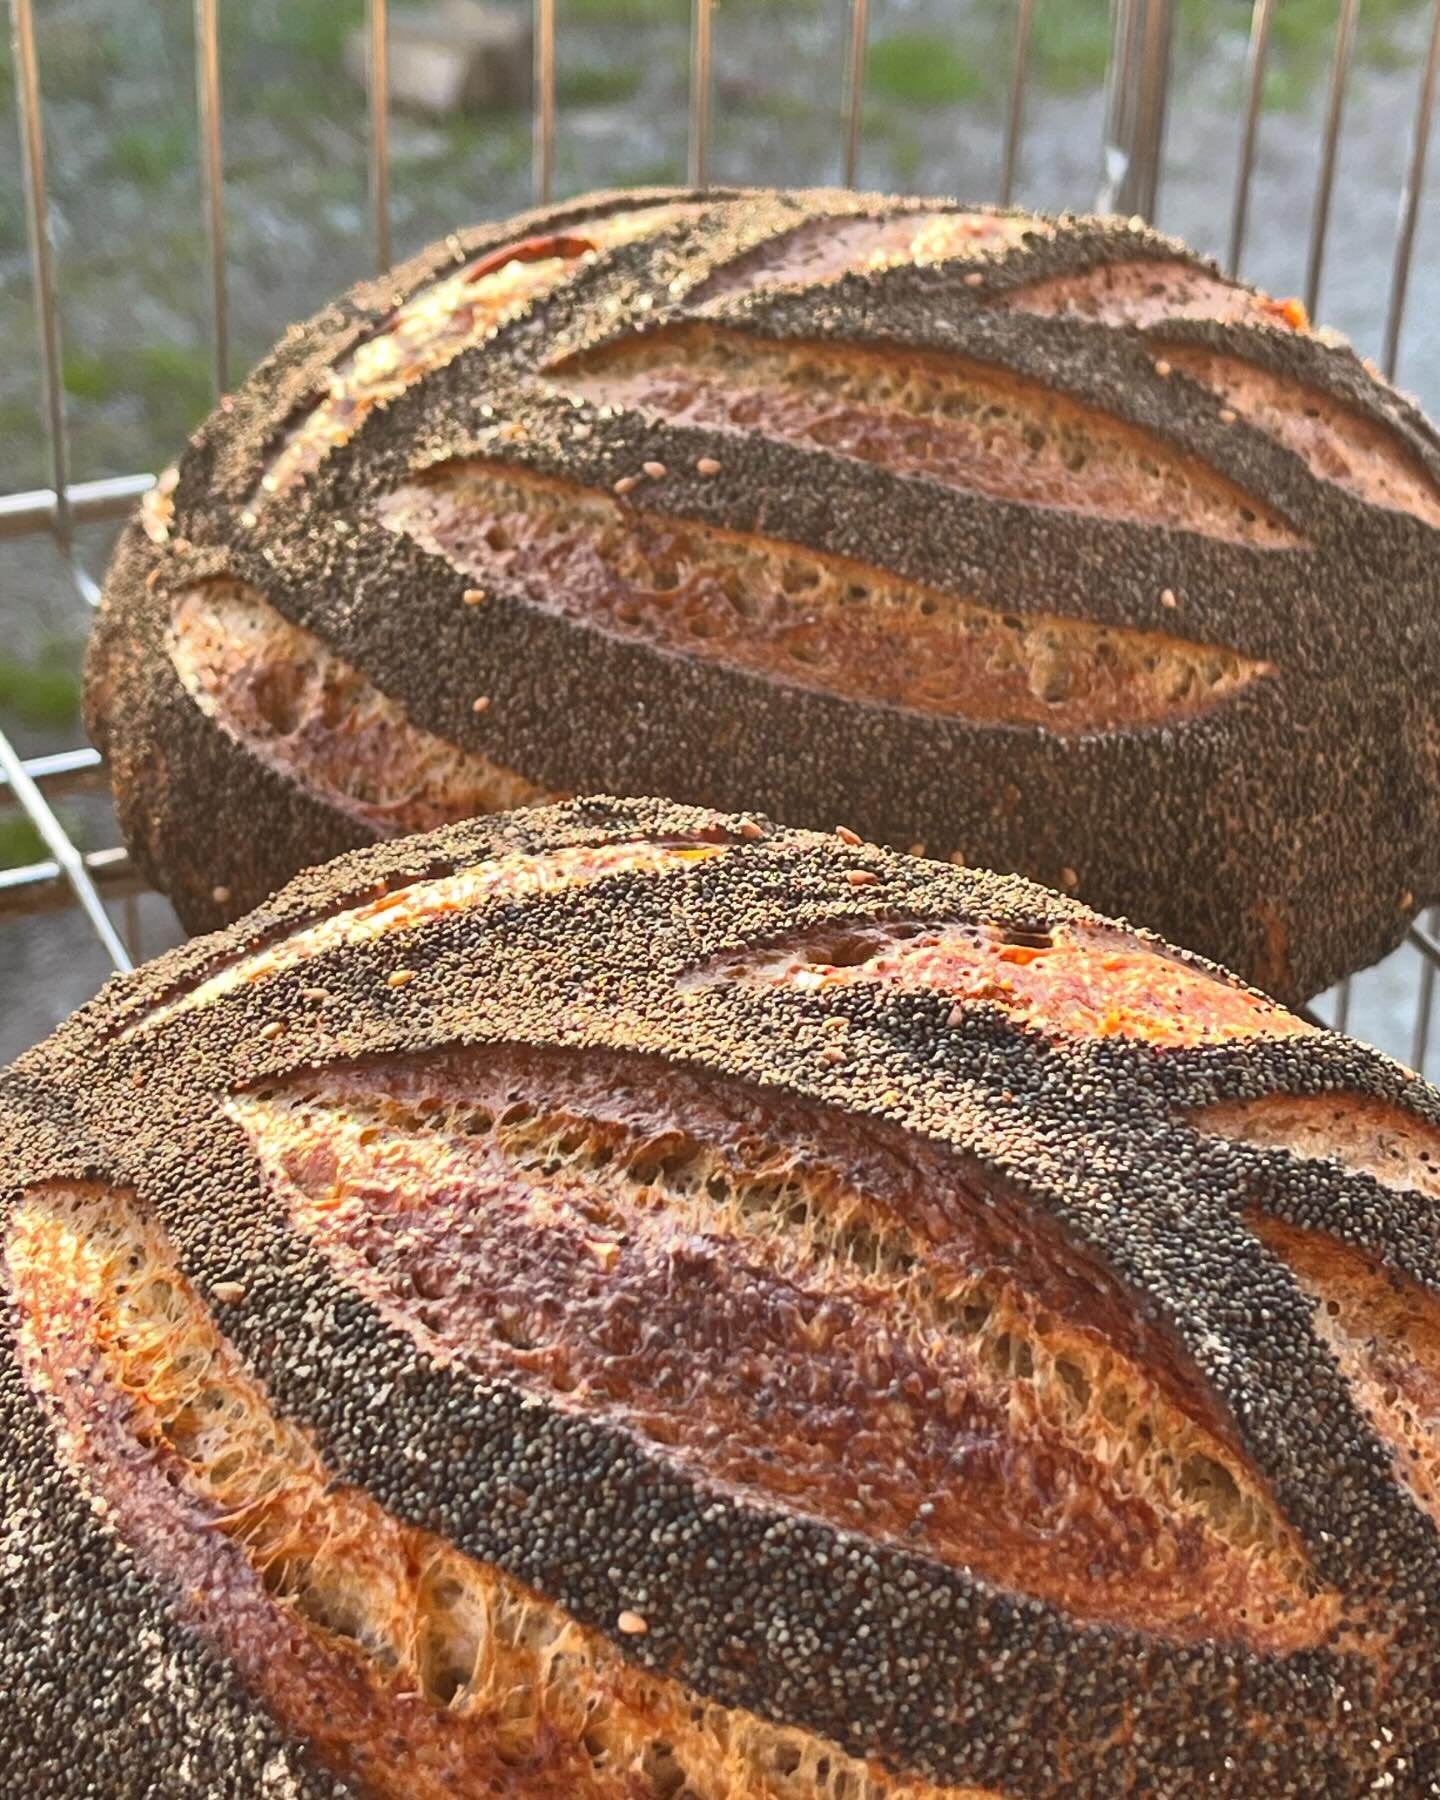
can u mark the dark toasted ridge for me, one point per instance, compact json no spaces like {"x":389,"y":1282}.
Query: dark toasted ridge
{"x":840,"y":627}
{"x":628,"y":1302}
{"x":408,"y":1668}
{"x":1037,"y":543}
{"x":964,"y":423}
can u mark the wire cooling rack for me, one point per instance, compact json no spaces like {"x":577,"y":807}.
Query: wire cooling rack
{"x":1129,"y":158}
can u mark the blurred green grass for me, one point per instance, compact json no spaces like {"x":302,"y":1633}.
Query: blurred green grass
{"x":1070,"y":39}
{"x":20,"y":842}
{"x":598,"y":84}
{"x":923,"y":68}
{"x":42,"y":690}
{"x":130,"y":251}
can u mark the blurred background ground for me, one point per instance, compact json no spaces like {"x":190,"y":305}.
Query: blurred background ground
{"x":118,"y":79}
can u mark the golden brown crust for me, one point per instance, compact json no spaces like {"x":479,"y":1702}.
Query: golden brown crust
{"x":959,"y":422}
{"x":1336,"y":442}
{"x":468,"y":1323}
{"x":670,"y":1236}
{"x":296,"y":707}
{"x":839,"y":627}
{"x":413,"y":1671}
{"x":1071,"y":982}
{"x":1112,"y":582}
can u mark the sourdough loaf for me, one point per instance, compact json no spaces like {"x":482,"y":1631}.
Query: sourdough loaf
{"x":1036,"y":542}
{"x":618,"y":1302}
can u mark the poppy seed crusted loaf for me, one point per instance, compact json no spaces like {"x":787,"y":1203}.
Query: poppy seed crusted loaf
{"x":618,"y":1302}
{"x":1035,"y":542}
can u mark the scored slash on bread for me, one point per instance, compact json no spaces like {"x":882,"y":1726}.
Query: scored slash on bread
{"x":601,"y":1303}
{"x":1037,"y":542}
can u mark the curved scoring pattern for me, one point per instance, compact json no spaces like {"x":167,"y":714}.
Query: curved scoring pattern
{"x":1072,"y":982}
{"x":410,"y":1669}
{"x":440,"y":322}
{"x":1336,"y":442}
{"x":822,"y":250}
{"x":1384,"y":1331}
{"x":1381,"y":1325}
{"x":676,"y":1313}
{"x":812,"y":621}
{"x":403,"y":908}
{"x":1156,"y":291}
{"x":623,"y":1231}
{"x":1359,"y":1135}
{"x":965,"y":424}
{"x":843,"y":494}
{"x":303,"y":711}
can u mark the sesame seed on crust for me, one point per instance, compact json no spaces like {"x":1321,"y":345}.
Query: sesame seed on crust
{"x":1277,"y":822}
{"x":907,"y":1252}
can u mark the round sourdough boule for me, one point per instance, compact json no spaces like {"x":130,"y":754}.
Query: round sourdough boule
{"x":1035,"y":542}
{"x":620,"y":1302}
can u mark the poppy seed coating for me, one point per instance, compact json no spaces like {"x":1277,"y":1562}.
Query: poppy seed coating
{"x":1035,"y":542}
{"x":557,"y":1373}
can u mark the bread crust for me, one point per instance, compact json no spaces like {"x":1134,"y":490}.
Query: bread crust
{"x":525,"y":1310}
{"x":1284,"y":822}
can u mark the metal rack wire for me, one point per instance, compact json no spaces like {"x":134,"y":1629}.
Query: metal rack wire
{"x":1130,"y":159}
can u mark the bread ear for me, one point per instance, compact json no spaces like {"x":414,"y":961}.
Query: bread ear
{"x":649,"y":1298}
{"x":985,"y":532}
